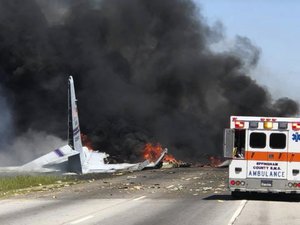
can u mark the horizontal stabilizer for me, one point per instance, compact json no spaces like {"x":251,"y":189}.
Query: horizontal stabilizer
{"x":52,"y":159}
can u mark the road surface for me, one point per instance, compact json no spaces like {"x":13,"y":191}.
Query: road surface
{"x":174,"y":196}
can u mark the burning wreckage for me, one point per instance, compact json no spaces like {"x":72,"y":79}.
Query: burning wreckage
{"x":74,"y":157}
{"x":153,"y":153}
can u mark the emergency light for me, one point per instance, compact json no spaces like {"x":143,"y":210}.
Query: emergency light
{"x":268,"y":125}
{"x":253,"y":124}
{"x":282,"y":125}
{"x":296,"y":126}
{"x":239,"y":124}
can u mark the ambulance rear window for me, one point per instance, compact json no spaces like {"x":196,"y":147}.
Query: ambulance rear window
{"x":277,"y":141}
{"x":257,"y":140}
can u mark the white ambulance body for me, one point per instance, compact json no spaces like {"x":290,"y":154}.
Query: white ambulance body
{"x":265,"y":153}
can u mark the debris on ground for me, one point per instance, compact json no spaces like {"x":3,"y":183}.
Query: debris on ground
{"x":173,"y":183}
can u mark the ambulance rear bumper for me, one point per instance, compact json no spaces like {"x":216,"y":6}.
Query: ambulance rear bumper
{"x":265,"y":186}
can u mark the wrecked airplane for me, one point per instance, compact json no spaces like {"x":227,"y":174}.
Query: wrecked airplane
{"x":74,"y":157}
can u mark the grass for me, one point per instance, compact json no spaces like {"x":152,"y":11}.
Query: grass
{"x":10,"y":185}
{"x":15,"y":185}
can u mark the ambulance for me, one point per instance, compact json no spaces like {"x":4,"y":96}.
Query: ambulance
{"x":264,"y":153}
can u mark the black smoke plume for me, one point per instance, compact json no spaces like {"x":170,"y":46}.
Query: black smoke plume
{"x":143,"y":72}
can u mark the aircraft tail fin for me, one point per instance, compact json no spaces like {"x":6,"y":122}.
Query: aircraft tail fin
{"x":160,"y":159}
{"x":74,"y":134}
{"x":159,"y":162}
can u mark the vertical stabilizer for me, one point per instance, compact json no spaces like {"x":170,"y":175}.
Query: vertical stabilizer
{"x":74,"y":135}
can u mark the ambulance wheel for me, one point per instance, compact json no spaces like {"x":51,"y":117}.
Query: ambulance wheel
{"x":236,"y":194}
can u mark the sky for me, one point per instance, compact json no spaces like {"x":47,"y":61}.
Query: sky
{"x":271,"y":25}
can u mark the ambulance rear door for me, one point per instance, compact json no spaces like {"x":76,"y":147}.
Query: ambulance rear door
{"x":266,"y":154}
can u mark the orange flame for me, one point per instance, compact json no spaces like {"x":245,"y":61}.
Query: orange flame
{"x":171,"y":159}
{"x":152,"y":153}
{"x":86,"y":141}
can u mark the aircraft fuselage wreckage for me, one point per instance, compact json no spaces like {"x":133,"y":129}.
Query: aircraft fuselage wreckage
{"x":76,"y":158}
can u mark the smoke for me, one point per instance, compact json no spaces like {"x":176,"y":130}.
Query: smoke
{"x":246,"y":51}
{"x":6,"y":126}
{"x":55,"y":11}
{"x":143,"y":71}
{"x":28,"y":145}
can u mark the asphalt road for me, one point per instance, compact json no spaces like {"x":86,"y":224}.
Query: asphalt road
{"x":174,"y":196}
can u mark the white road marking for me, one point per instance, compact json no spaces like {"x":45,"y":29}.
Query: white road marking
{"x":82,"y":219}
{"x":136,"y":199}
{"x":96,"y":213}
{"x":237,"y":212}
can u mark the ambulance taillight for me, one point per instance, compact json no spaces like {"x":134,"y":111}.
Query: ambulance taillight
{"x":294,"y":185}
{"x":237,"y":183}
